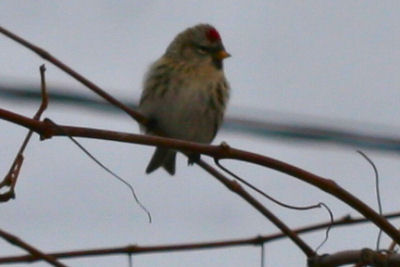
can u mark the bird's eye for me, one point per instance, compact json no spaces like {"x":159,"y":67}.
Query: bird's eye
{"x":202,"y":49}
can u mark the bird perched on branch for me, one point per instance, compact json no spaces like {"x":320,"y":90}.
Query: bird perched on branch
{"x":185,"y":91}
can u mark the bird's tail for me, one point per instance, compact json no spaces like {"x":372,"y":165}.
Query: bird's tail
{"x":162,"y":157}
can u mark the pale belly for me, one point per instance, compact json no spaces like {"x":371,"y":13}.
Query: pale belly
{"x":184,"y":114}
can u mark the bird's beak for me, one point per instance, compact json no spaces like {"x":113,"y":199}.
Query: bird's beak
{"x":221,"y":54}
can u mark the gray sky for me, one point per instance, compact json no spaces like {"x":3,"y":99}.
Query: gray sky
{"x":331,"y":60}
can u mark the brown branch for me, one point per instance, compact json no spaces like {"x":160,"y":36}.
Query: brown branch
{"x":96,"y":89}
{"x":320,"y":182}
{"x":277,"y":127}
{"x":136,"y":249}
{"x":235,"y":187}
{"x":32,"y":250}
{"x":363,"y":257}
{"x":10,"y":180}
{"x":144,"y":121}
{"x":46,"y":129}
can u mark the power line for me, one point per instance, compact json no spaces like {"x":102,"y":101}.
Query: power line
{"x":262,"y":128}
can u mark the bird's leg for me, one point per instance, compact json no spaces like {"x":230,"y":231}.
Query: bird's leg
{"x":152,"y":125}
{"x":224,"y":145}
{"x":193,"y":158}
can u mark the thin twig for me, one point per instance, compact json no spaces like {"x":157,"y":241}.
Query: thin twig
{"x":378,"y":194}
{"x":11,"y":178}
{"x":278,"y":127}
{"x":262,"y":247}
{"x":34,"y":252}
{"x":130,"y":260}
{"x":248,"y":184}
{"x":392,"y":246}
{"x":324,"y":184}
{"x":96,"y":89}
{"x":362,"y":257}
{"x":328,"y":229}
{"x":46,"y":130}
{"x":119,"y":178}
{"x":136,"y":249}
{"x":138,"y":117}
{"x":280,"y":203}
{"x":233,"y":186}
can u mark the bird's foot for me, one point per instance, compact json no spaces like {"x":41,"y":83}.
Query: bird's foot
{"x":224,"y":145}
{"x":193,"y":158}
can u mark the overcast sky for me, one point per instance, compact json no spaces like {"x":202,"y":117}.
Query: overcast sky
{"x":336,"y":61}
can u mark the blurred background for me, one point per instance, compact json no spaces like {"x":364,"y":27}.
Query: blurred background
{"x":296,"y":67}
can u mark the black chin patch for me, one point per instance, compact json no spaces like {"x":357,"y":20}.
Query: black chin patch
{"x":218,"y":63}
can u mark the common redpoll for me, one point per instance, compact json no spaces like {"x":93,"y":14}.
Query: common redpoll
{"x":185,"y":91}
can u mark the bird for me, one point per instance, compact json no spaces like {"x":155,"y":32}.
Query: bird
{"x":185,"y":92}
